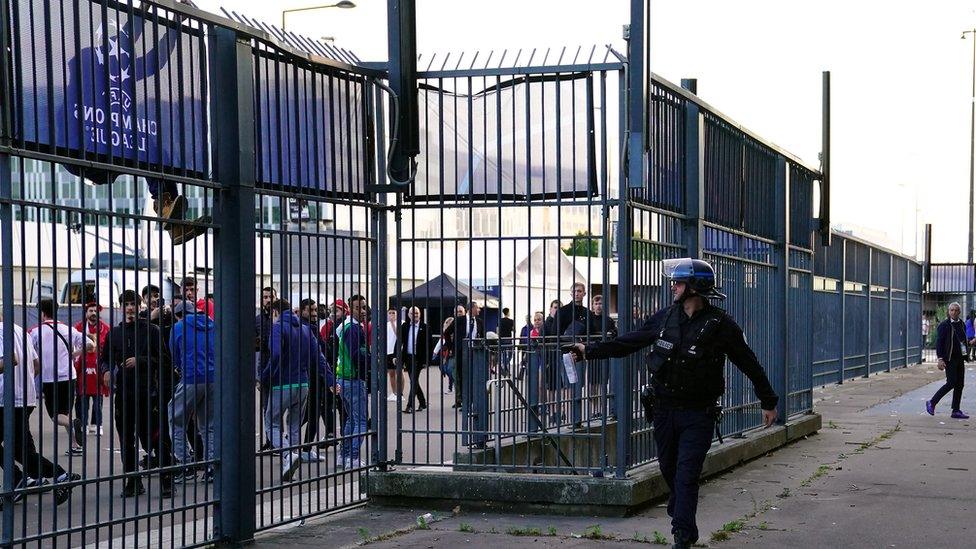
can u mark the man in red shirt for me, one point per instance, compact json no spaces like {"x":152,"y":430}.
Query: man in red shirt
{"x":91,"y":390}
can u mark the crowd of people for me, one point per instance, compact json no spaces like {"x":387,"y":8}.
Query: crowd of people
{"x":312,"y":366}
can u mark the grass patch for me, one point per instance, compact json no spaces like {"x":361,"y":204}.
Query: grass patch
{"x":659,"y":538}
{"x":595,"y":532}
{"x":552,"y":530}
{"x":384,"y":536}
{"x":878,"y":439}
{"x":763,"y":525}
{"x":363,"y":534}
{"x":721,"y":535}
{"x":733,"y":525}
{"x":831,"y":425}
{"x":523,"y":531}
{"x":465,"y":527}
{"x":821,"y":471}
{"x":784,"y":494}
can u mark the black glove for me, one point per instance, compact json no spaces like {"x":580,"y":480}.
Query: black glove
{"x":571,"y":348}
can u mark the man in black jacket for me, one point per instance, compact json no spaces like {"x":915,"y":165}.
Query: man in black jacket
{"x":506,"y":334}
{"x":690,"y":341}
{"x":130,"y":362}
{"x":951,"y":346}
{"x":415,"y":346}
{"x":572,"y":324}
{"x":467,"y":328}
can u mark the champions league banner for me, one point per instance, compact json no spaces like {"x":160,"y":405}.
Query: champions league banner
{"x":110,"y":82}
{"x":314,"y":128}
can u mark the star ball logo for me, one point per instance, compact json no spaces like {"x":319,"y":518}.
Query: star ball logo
{"x":114,"y":72}
{"x":119,"y":61}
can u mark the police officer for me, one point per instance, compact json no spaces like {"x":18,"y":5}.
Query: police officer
{"x":690,"y":340}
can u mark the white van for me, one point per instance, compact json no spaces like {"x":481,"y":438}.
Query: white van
{"x":107,"y":286}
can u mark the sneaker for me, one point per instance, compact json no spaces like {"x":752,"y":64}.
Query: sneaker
{"x":100,"y":432}
{"x":166,"y":487}
{"x":133,"y":487}
{"x":312,"y":456}
{"x":267,"y":446}
{"x":186,"y":475}
{"x":959,"y":414}
{"x":929,"y":407}
{"x":79,"y":431}
{"x":74,"y":451}
{"x":289,"y":464}
{"x":209,"y":475}
{"x":62,"y":493}
{"x":392,"y":397}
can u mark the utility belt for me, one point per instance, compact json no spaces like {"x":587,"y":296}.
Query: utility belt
{"x":649,"y":401}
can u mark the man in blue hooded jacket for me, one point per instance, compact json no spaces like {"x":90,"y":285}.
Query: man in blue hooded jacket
{"x":192,"y":346}
{"x":294,"y":352}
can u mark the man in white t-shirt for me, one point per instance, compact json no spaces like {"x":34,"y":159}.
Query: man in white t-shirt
{"x":58,"y":345}
{"x":21,"y":372}
{"x":396,"y":379}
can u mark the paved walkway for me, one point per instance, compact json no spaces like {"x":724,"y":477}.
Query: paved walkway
{"x":881,"y":473}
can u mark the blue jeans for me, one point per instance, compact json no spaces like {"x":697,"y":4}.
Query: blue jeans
{"x":89,"y":402}
{"x":196,"y":401}
{"x":290,"y":401}
{"x":683,"y":438}
{"x":354,"y":403}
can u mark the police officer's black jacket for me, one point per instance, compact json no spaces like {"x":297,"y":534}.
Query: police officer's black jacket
{"x":695,"y":378}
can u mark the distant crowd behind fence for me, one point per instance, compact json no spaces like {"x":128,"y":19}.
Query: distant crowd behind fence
{"x":191,"y":158}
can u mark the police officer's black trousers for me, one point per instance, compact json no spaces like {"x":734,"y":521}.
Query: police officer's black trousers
{"x":955,"y":377}
{"x":683,"y":438}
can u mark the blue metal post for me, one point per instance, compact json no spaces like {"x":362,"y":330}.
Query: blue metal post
{"x":694,"y":179}
{"x":232,"y":107}
{"x":781,"y":288}
{"x":7,"y":281}
{"x":843,"y":311}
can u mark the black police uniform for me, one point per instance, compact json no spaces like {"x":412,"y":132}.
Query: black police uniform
{"x":688,"y":358}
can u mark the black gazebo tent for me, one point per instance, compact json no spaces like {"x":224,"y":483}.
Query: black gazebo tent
{"x":438,"y":297}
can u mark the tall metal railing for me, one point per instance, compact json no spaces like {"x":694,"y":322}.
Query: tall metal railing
{"x":225,"y":172}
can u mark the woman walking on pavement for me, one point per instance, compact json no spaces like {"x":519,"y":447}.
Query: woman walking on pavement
{"x":951,"y":346}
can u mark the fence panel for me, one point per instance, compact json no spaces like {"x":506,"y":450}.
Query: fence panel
{"x":107,"y":212}
{"x":511,"y":207}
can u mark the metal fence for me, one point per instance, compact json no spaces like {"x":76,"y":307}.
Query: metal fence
{"x":224,"y":171}
{"x":867,"y":310}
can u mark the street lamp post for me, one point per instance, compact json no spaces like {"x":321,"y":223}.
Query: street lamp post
{"x":972,"y":157}
{"x":972,"y":145}
{"x":344,"y":4}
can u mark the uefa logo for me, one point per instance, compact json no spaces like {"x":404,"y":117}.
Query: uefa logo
{"x":119,"y":60}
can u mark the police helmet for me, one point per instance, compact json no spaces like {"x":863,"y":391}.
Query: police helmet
{"x":697,"y":274}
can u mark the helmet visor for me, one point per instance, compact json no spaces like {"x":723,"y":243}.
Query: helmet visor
{"x":677,"y":268}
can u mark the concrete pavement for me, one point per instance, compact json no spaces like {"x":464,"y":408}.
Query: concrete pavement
{"x":881,"y":473}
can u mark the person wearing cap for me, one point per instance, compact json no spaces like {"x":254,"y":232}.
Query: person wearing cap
{"x":91,"y":390}
{"x":192,"y":345}
{"x":130,"y":362}
{"x":352,"y":371}
{"x":295,"y":353}
{"x":689,"y":340}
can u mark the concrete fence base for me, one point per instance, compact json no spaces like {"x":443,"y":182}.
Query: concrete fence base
{"x":567,"y":494}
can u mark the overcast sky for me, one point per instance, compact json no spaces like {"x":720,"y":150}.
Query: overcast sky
{"x":901,"y":82}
